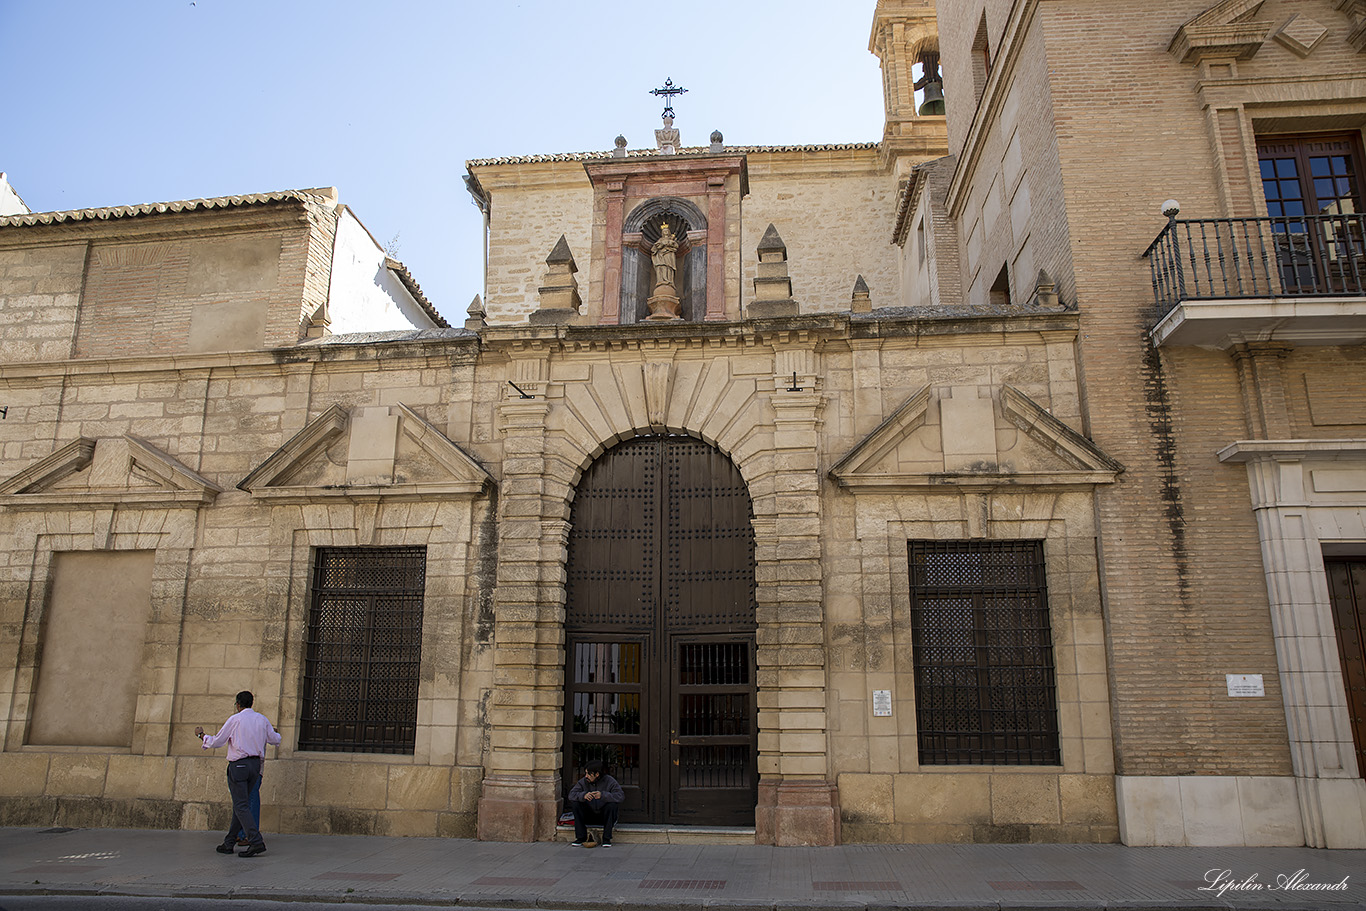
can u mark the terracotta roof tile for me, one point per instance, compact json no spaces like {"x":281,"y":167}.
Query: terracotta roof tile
{"x":161,"y":208}
{"x":684,"y":152}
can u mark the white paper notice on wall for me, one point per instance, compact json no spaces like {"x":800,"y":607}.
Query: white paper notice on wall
{"x":1245,"y":685}
{"x":882,"y":703}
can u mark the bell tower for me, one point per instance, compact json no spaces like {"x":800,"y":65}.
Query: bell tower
{"x":906,"y":33}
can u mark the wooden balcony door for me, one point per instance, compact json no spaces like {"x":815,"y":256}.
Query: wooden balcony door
{"x":1313,"y":186}
{"x":659,"y":632}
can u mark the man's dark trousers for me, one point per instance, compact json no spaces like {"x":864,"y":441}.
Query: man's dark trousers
{"x":243,"y":775}
{"x":599,"y":812}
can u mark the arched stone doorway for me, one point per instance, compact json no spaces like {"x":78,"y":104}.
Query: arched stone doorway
{"x":660,"y":632}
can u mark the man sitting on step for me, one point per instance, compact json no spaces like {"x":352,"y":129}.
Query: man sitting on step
{"x":595,"y":799}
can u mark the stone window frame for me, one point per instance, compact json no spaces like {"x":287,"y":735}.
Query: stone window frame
{"x":1085,"y":731}
{"x":326,"y":739}
{"x":1240,"y":109}
{"x":155,"y":713}
{"x":447,"y":529}
{"x":1033,"y":553}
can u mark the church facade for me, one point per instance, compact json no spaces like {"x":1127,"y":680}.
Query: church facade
{"x":867,"y":492}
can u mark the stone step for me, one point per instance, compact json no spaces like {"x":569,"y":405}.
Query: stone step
{"x":635,"y":834}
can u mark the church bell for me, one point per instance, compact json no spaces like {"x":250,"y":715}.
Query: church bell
{"x":934,"y":99}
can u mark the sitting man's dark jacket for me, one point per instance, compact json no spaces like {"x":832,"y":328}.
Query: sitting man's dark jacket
{"x":596,"y":798}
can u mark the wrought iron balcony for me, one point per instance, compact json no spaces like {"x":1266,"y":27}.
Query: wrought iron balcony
{"x":1305,"y":268}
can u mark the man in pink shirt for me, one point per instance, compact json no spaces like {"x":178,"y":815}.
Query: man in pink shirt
{"x":246,"y":733}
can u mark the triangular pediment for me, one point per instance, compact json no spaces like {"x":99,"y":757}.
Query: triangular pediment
{"x":111,"y":471}
{"x":1227,"y":29}
{"x":387,"y":451}
{"x":934,"y":440}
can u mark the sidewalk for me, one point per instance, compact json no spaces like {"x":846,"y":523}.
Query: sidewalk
{"x":486,"y":874}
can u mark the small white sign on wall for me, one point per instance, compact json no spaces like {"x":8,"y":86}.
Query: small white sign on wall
{"x":1245,"y":685}
{"x":882,"y":703}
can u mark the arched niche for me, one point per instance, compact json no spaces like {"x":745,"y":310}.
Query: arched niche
{"x":640,"y":230}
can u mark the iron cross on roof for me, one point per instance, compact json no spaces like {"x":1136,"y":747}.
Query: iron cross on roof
{"x":668,"y":91}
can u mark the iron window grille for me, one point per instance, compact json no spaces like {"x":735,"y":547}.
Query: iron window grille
{"x":363,"y":650}
{"x":983,"y":654}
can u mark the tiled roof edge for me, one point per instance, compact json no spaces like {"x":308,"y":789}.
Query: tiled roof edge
{"x":161,"y":208}
{"x":415,"y":290}
{"x":685,"y":152}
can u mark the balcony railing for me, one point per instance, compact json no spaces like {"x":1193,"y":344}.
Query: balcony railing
{"x":1284,"y":256}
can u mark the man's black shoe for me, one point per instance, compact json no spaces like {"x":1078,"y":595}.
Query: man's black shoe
{"x":224,"y":849}
{"x":253,"y":851}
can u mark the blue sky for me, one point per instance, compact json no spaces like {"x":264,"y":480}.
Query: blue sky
{"x":116,"y":103}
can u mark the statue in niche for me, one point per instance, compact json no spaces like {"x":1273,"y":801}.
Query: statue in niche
{"x":663,"y":302}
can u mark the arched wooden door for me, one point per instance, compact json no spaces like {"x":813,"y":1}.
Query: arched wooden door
{"x":659,"y":632}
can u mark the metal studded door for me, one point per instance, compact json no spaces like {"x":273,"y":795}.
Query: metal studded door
{"x":660,"y":632}
{"x":1347,"y":592}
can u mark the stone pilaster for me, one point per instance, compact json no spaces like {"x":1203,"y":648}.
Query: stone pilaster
{"x":520,"y":798}
{"x":798,"y":804}
{"x":1261,"y":381}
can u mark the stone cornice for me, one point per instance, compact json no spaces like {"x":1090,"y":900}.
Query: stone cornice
{"x":1294,"y":450}
{"x":993,"y":98}
{"x":1223,"y":30}
{"x":1289,"y":88}
{"x":439,"y":348}
{"x":668,"y":167}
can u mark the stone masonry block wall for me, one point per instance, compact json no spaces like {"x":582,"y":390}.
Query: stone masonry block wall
{"x":534,"y":205}
{"x":40,"y":292}
{"x":230,"y":595}
{"x":885,"y":793}
{"x":835,"y":210}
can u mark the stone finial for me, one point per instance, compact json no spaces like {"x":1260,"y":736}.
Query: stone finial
{"x":862,"y":301}
{"x":668,"y":138}
{"x":560,"y":299}
{"x":771,"y":242}
{"x":319,"y":322}
{"x":620,"y":150}
{"x":476,"y":320}
{"x":772,"y":286}
{"x":717,"y":141}
{"x":560,"y":255}
{"x":1045,"y":291}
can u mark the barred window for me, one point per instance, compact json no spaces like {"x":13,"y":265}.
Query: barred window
{"x":985,"y":689}
{"x":363,"y":650}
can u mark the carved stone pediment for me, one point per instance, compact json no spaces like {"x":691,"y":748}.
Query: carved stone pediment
{"x":112,"y":471}
{"x":1008,"y":440}
{"x":1227,"y":29}
{"x":1356,"y":12}
{"x":381,"y":452}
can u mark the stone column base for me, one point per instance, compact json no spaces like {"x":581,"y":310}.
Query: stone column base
{"x":518,"y":809}
{"x":797,"y":814}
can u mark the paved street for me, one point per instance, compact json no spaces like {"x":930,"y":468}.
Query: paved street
{"x":430,"y":871}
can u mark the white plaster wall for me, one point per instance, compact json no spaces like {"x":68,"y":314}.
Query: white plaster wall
{"x":365,"y":295}
{"x":10,"y":203}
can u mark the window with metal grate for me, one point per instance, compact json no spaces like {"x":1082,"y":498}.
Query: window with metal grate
{"x":983,"y":653}
{"x":363,"y":650}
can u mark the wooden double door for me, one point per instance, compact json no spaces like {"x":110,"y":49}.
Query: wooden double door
{"x":659,"y":632}
{"x":1347,"y":592}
